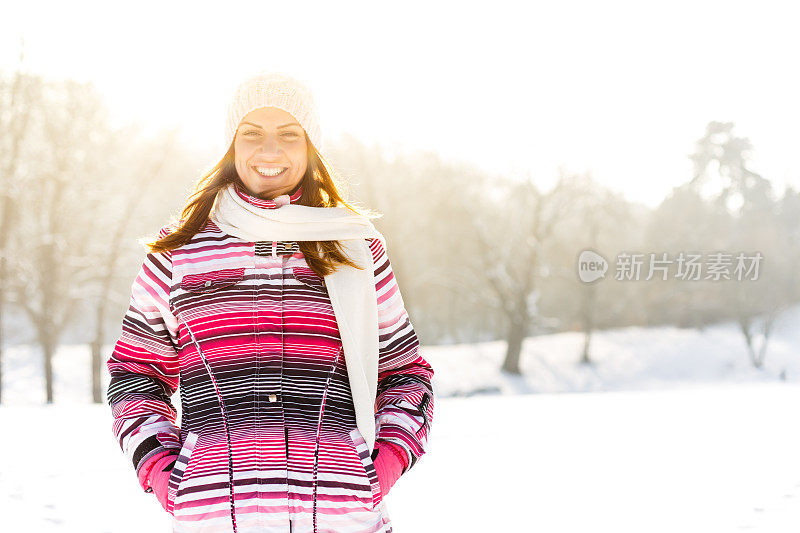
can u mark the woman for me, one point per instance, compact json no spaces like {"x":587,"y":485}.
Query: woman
{"x":273,"y":303}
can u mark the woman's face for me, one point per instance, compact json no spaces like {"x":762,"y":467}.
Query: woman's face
{"x":270,"y":140}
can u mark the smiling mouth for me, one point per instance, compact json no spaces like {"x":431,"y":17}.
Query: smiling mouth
{"x":273,"y":172}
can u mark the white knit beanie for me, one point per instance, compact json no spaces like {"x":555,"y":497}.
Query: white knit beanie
{"x":274,"y":89}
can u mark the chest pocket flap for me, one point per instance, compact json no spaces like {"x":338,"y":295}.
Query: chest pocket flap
{"x":212,"y":280}
{"x":307,"y":276}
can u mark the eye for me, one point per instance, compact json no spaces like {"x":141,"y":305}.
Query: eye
{"x":247,"y":133}
{"x":290,"y":135}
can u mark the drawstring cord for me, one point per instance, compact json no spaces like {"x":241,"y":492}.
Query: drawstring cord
{"x":224,"y":421}
{"x":316,"y":443}
{"x":228,"y":434}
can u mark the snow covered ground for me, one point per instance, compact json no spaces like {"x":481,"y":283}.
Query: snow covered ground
{"x":671,"y":430}
{"x":624,"y":359}
{"x":703,"y":459}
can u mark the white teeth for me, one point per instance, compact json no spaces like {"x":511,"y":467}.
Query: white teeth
{"x":270,"y":171}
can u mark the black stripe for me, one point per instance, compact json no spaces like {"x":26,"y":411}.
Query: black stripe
{"x":148,"y":445}
{"x":281,"y":248}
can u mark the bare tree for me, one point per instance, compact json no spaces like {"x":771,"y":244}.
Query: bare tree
{"x":66,"y":134}
{"x":602,"y":217}
{"x":124,"y":205}
{"x":759,"y":303}
{"x":508,"y":242}
{"x":15,"y":110}
{"x":751,"y":210}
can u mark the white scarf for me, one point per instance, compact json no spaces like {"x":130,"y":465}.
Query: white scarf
{"x":351,"y":290}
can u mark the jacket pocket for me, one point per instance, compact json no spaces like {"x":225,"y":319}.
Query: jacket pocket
{"x":181,"y":464}
{"x":308,"y":277}
{"x":369,"y":467}
{"x":211,"y":281}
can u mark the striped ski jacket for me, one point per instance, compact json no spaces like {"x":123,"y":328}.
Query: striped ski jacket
{"x":268,"y":440}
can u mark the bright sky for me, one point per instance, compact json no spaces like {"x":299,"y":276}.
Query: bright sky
{"x":622,"y":89}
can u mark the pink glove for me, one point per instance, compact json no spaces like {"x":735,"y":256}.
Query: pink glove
{"x":155,"y":473}
{"x":389,"y":464}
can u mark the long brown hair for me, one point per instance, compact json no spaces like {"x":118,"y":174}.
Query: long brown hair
{"x":319,"y":190}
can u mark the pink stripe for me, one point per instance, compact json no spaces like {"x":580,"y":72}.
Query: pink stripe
{"x":211,"y":257}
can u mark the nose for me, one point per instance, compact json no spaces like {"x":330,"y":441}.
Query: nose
{"x":269,"y":146}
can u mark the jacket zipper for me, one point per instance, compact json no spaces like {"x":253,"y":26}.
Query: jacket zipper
{"x":316,"y":442}
{"x":224,"y":422}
